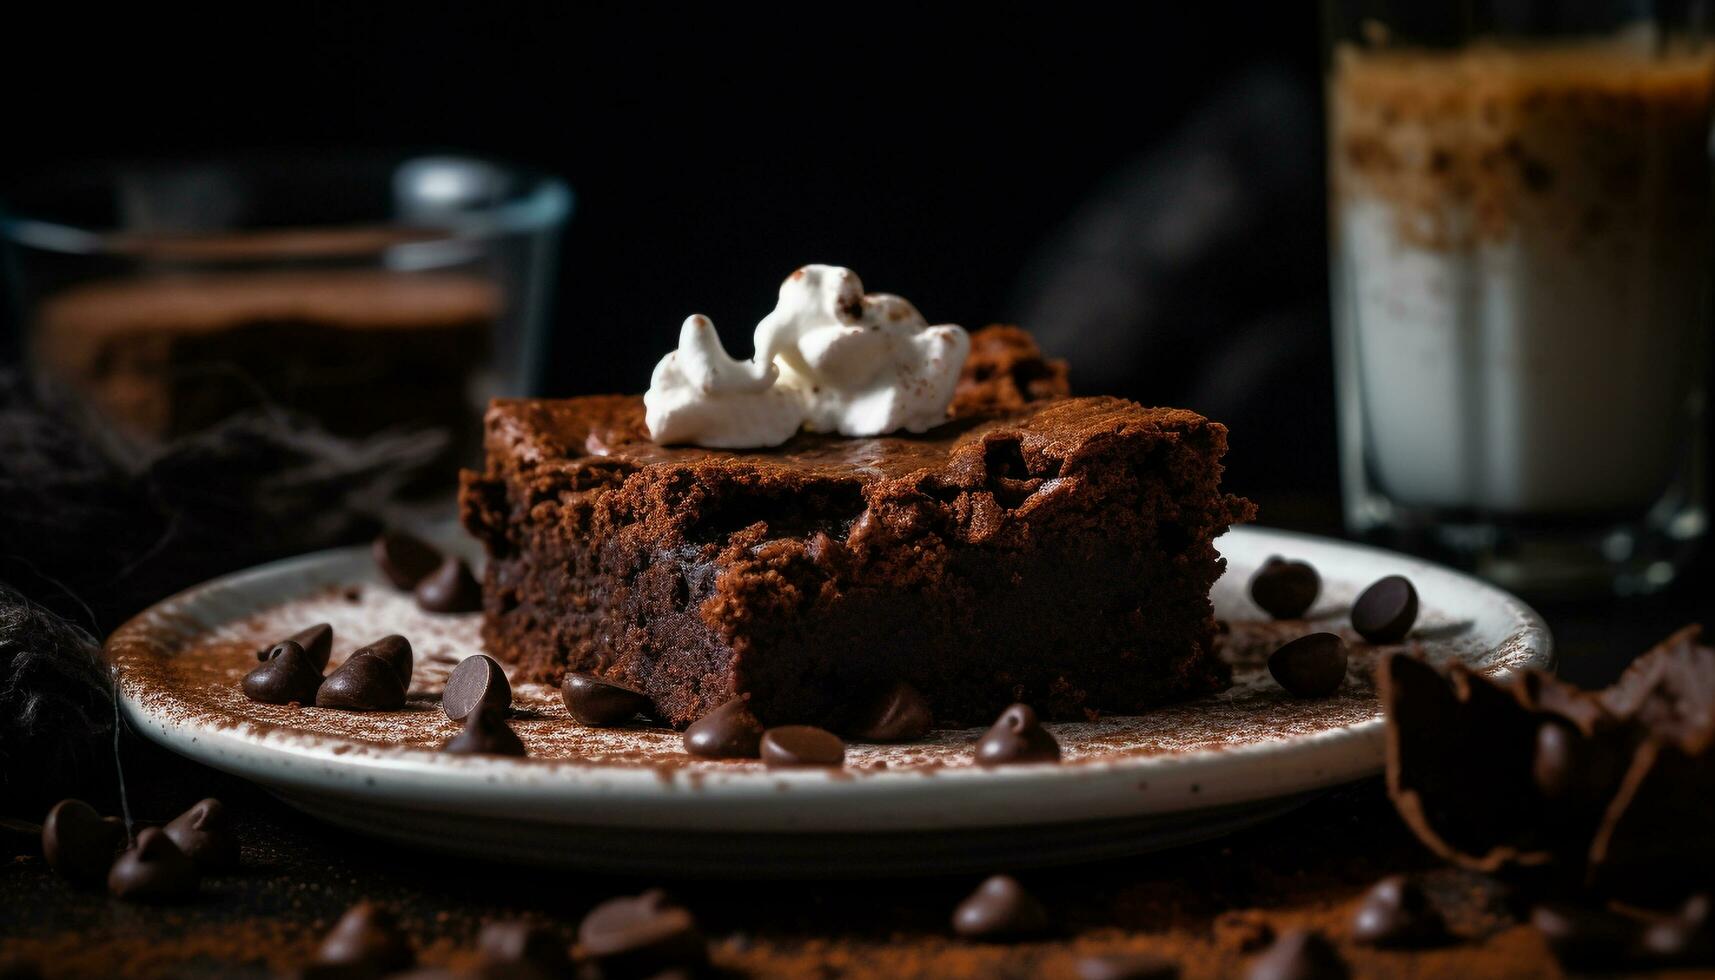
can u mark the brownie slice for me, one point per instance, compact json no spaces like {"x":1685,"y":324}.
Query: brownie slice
{"x":1058,"y":553}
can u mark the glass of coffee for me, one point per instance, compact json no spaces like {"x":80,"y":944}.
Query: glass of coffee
{"x":1520,"y":221}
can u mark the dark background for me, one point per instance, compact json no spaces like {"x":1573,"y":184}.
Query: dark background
{"x":1140,"y":186}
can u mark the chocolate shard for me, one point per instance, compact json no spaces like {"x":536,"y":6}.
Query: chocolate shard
{"x":1610,"y":791}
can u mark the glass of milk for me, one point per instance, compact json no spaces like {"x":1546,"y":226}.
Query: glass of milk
{"x":1520,"y":220}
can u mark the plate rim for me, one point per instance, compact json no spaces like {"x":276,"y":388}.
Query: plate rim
{"x":535,"y":790}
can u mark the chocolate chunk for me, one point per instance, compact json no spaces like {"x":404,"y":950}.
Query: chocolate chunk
{"x":364,"y":682}
{"x":451,"y":588}
{"x":404,"y":558}
{"x":153,"y":870}
{"x":899,"y":715}
{"x":1298,"y":954}
{"x":80,"y":843}
{"x":517,"y":943}
{"x":478,"y":681}
{"x":1686,"y":938}
{"x":1000,"y":908}
{"x":1312,"y":666}
{"x":485,"y":733}
{"x":802,"y":745}
{"x":1585,"y":938}
{"x":317,"y":642}
{"x":204,"y":833}
{"x":1017,"y":737}
{"x":287,"y":676}
{"x":1394,"y":912}
{"x":1127,"y":966}
{"x":396,"y":650}
{"x":1285,"y":589}
{"x":1386,"y":610}
{"x":642,"y":936}
{"x":728,"y":732}
{"x":601,"y":703}
{"x":367,"y":936}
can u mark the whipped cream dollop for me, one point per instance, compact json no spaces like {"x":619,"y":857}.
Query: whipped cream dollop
{"x":830,"y":358}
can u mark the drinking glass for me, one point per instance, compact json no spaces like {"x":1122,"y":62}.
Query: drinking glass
{"x":1520,"y":219}
{"x":376,"y":294}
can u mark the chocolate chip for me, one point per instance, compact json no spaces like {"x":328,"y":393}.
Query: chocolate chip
{"x":478,"y":681}
{"x":642,"y":936}
{"x":1552,"y":763}
{"x":367,"y":936}
{"x":404,"y":558}
{"x":1386,"y":610}
{"x":204,"y":833}
{"x":1395,"y":913}
{"x":396,"y":650}
{"x":1298,"y":954}
{"x":451,"y":588}
{"x":286,"y":676}
{"x":1686,"y":938}
{"x":1285,"y":589}
{"x":317,"y":642}
{"x":153,"y":870}
{"x":79,"y":843}
{"x":523,"y":944}
{"x":601,"y":703}
{"x":899,"y":715}
{"x":1584,"y":938}
{"x":365,"y":682}
{"x":1243,"y":930}
{"x":485,"y":733}
{"x":728,"y":732}
{"x":1312,"y":666}
{"x":1127,"y":966}
{"x":1017,"y":737}
{"x":802,"y":745}
{"x":1000,"y":908}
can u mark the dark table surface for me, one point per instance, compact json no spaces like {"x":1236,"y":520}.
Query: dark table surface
{"x":1305,"y":868}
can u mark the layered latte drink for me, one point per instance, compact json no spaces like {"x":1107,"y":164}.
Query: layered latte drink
{"x":1521,"y":277}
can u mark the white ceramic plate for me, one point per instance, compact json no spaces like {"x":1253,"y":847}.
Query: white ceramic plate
{"x":630,"y":800}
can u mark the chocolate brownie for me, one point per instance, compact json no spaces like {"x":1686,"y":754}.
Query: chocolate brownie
{"x":1057,"y":553}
